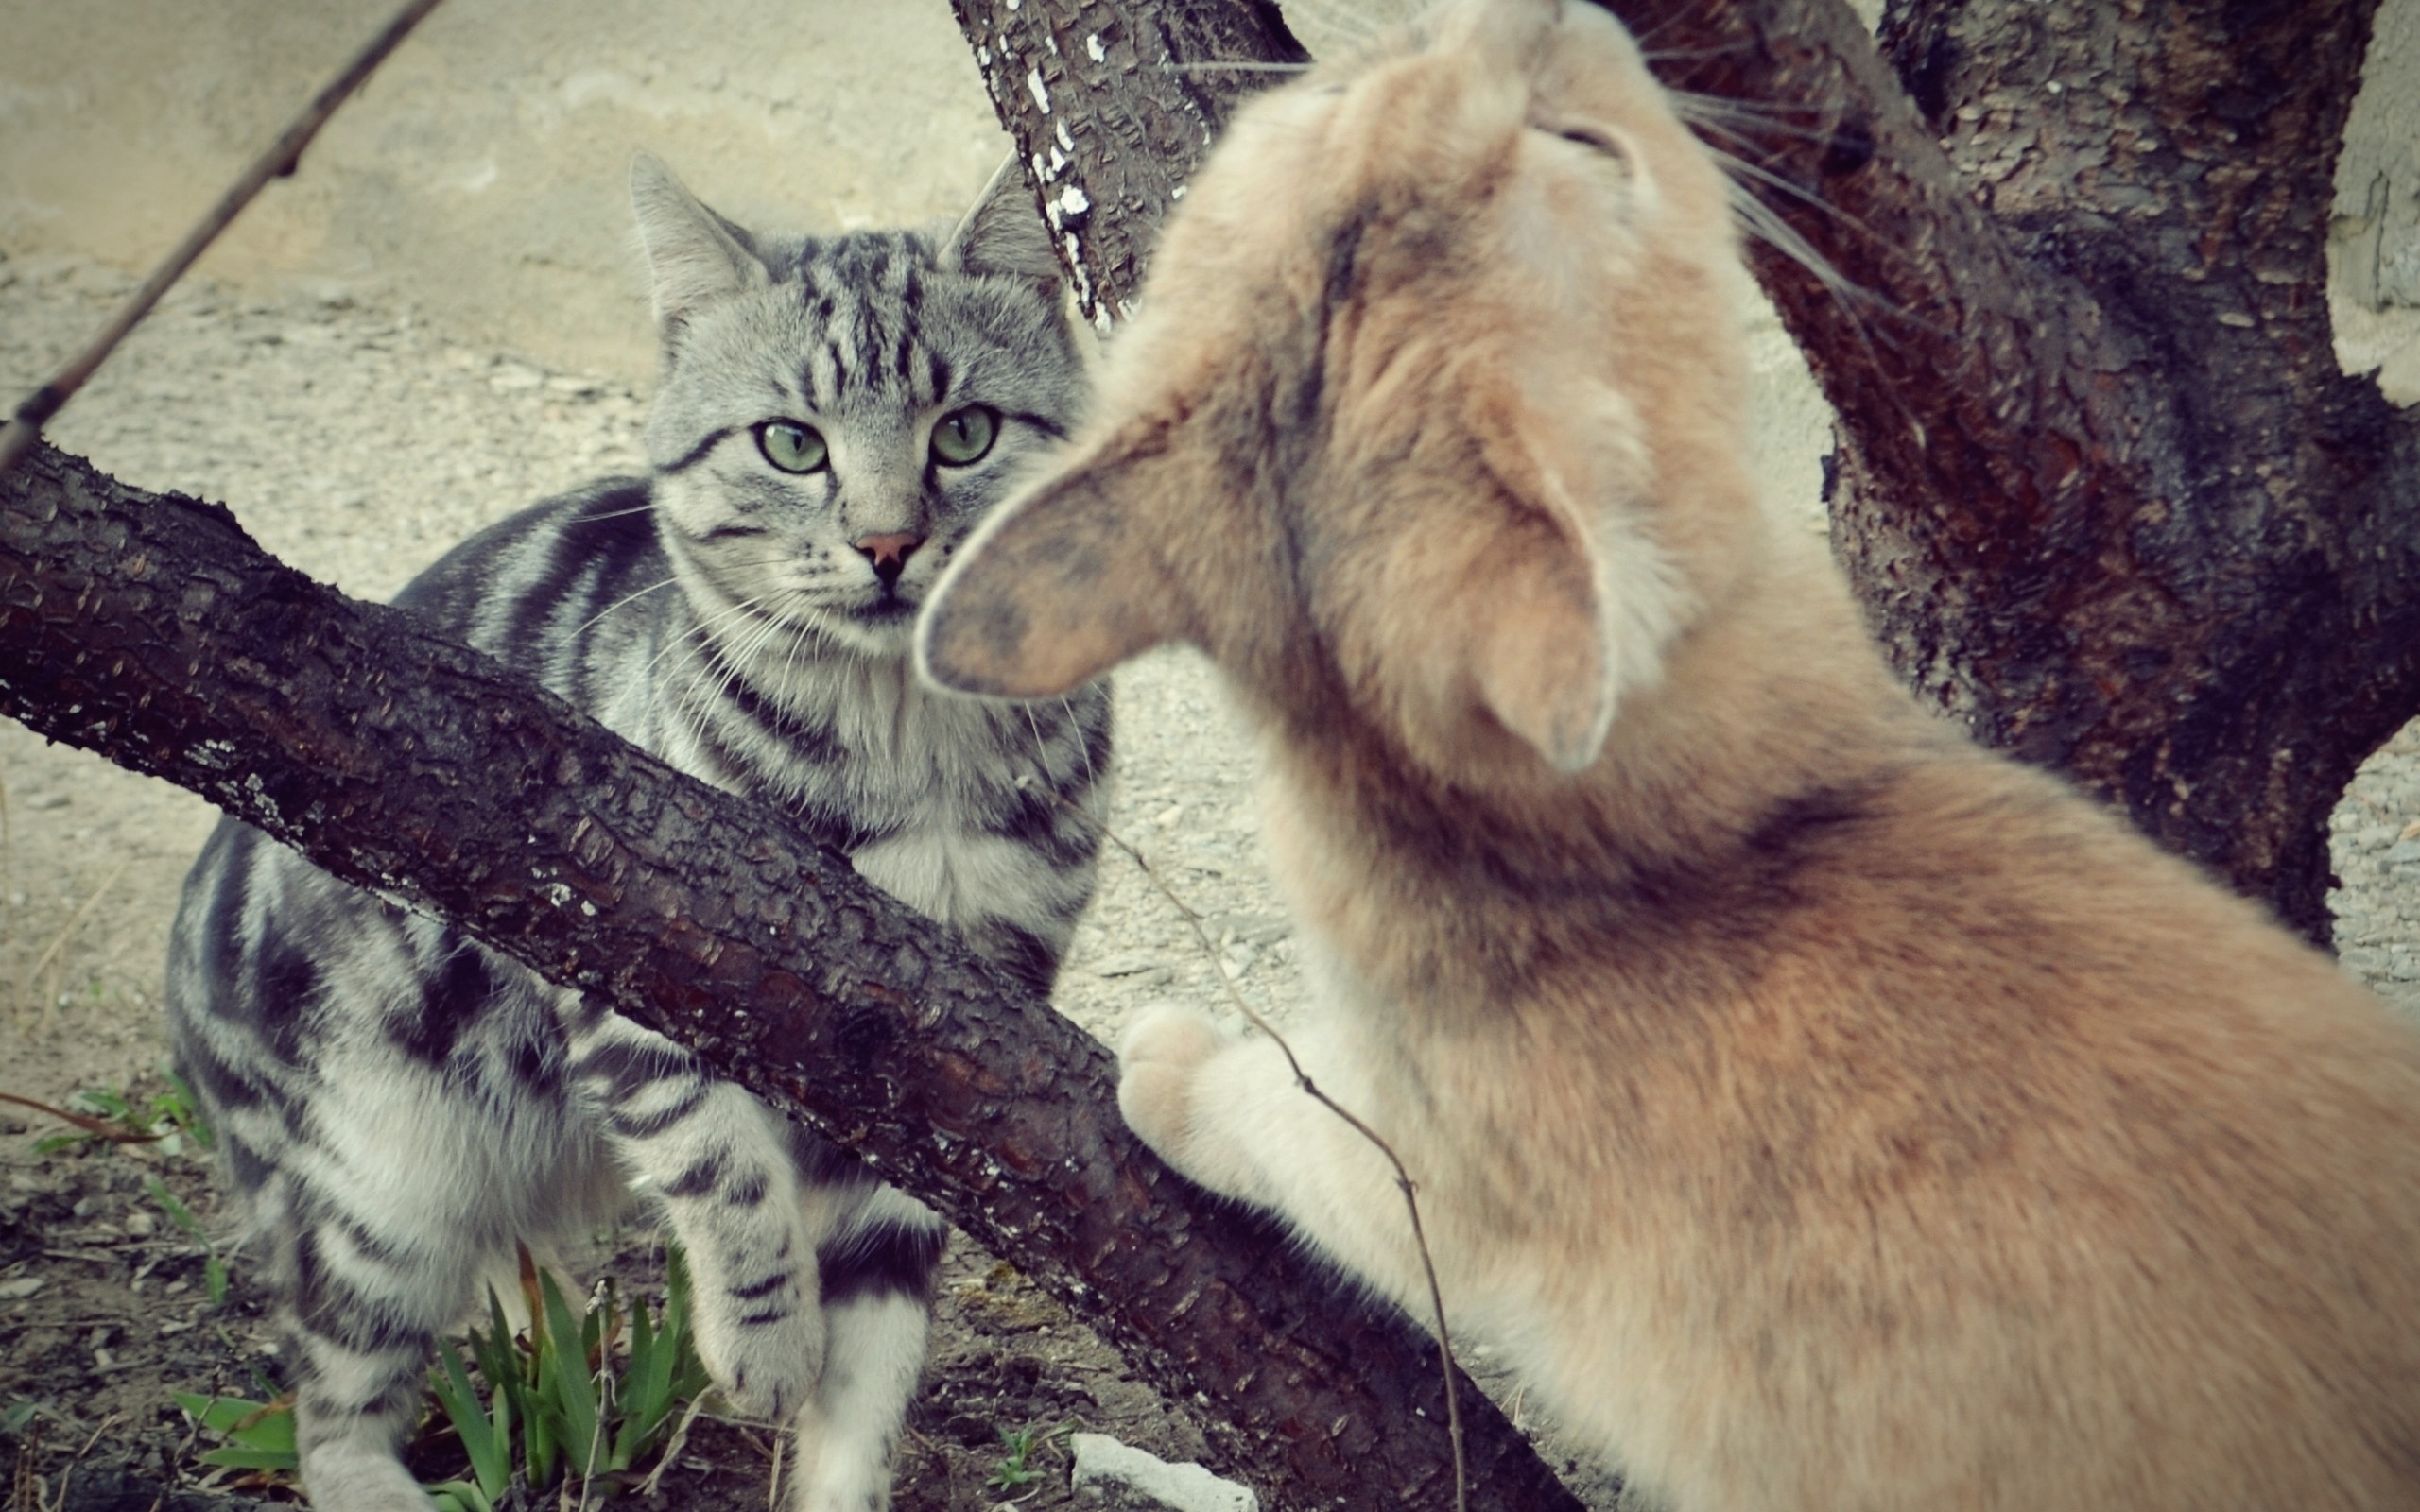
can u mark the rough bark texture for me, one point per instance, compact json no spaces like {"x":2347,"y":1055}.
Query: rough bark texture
{"x":1113,"y":107}
{"x":2103,"y":490}
{"x":152,"y":630}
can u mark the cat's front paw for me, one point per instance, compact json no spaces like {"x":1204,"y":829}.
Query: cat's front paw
{"x":765,"y":1350}
{"x":1158,"y":1063}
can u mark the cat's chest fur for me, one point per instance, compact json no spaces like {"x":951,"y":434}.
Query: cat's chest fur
{"x":938,"y":800}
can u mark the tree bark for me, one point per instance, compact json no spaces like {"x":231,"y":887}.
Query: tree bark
{"x":152,"y":630}
{"x":1113,"y":106}
{"x":2100,"y":485}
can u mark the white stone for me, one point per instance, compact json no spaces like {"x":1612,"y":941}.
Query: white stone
{"x":1125,"y":1476}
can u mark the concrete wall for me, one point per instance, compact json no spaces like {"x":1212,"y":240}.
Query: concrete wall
{"x":2377,"y":232}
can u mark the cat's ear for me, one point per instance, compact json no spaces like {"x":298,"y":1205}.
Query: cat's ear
{"x":1003,"y":233}
{"x":693,"y":256}
{"x":1053,"y":590}
{"x":1566,"y":604}
{"x":1542,"y":659}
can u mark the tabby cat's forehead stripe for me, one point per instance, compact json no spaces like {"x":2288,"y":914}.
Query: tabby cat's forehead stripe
{"x":698,"y":452}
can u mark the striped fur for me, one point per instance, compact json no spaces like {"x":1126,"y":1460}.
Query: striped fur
{"x":400,"y":1105}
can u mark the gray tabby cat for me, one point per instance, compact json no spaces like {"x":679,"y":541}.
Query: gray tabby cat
{"x":400,"y":1105}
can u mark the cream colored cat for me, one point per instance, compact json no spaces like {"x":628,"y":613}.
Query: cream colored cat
{"x":1826,"y":1112}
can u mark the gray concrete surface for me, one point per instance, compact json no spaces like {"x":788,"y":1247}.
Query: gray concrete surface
{"x":477,"y":178}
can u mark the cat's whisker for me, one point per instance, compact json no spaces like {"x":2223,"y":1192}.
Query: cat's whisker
{"x":1041,"y":746}
{"x":1646,"y":39}
{"x":1695,"y":55}
{"x":1232,"y":66}
{"x":590,"y":623}
{"x":702,"y":630}
{"x":1707,"y":114}
{"x":619,"y":514}
{"x":1756,"y":173}
{"x":1083,"y":746}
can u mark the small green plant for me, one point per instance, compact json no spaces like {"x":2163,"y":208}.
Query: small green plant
{"x":1017,"y":1470}
{"x":106,"y":1115}
{"x":259,"y":1434}
{"x":582,"y":1406}
{"x":588,"y":1395}
{"x":214,"y":1267}
{"x":113,"y":1116}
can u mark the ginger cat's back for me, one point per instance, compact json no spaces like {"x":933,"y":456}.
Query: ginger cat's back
{"x":1827,"y":1114}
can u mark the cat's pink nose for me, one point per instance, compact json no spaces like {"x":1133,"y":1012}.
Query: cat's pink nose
{"x":888,"y":554}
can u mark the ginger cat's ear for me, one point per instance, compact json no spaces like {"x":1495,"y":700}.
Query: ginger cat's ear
{"x":1563,"y":604}
{"x":1053,"y":590}
{"x":1542,"y":659}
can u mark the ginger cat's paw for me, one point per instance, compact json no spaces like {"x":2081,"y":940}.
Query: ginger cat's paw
{"x":1157,"y":1065}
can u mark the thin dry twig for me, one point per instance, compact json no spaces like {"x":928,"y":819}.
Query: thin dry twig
{"x":101,"y":1129}
{"x":177,"y":1470}
{"x":24,"y":427}
{"x":25,"y":1489}
{"x":672,"y":1450}
{"x":59,"y":1502}
{"x":1403,"y":1178}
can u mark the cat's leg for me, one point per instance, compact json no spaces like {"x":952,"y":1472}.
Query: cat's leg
{"x":1225,"y":1111}
{"x":720,"y":1162}
{"x":376,"y":1254}
{"x":878,"y":1267}
{"x":356,"y":1351}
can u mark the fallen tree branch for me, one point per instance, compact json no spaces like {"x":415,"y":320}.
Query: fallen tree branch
{"x":150,"y":629}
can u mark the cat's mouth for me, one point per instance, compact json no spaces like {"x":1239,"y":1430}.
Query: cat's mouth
{"x":890,"y":608}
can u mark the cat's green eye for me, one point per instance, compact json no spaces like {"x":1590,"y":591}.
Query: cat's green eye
{"x":964,"y":435}
{"x":792,"y":447}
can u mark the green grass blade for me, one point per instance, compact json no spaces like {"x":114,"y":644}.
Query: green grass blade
{"x":689,"y":1373}
{"x":177,"y":1212}
{"x":237,"y":1457}
{"x":186,"y":1111}
{"x":253,"y":1427}
{"x":646,"y":1390}
{"x":573,"y":1395}
{"x":490,"y":1453}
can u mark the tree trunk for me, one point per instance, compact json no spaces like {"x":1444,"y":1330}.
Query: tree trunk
{"x":2101,"y":484}
{"x":153,"y":632}
{"x":1113,"y":106}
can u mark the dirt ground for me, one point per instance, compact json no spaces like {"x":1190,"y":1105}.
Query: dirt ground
{"x":358,"y":445}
